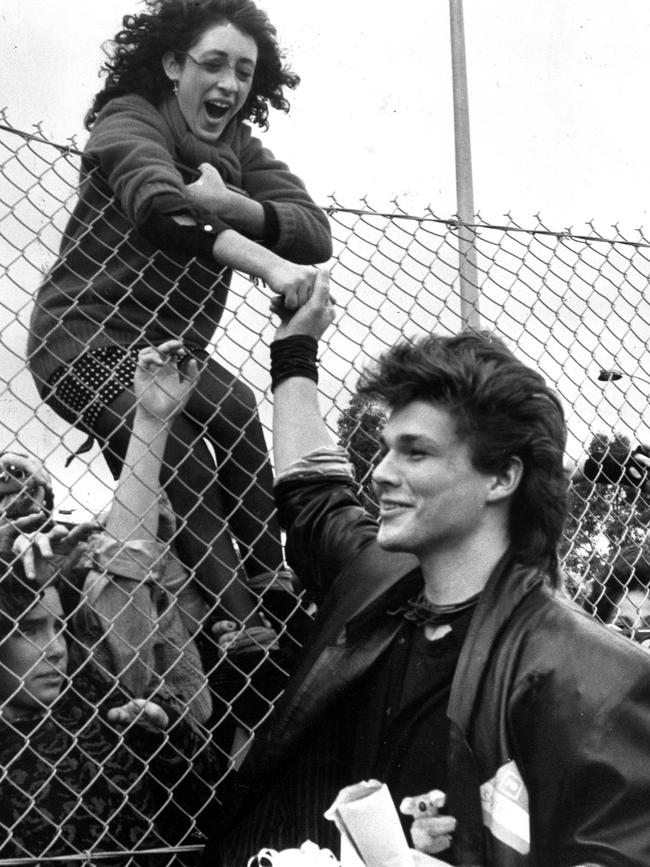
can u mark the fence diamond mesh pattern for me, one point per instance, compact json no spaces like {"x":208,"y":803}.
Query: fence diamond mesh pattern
{"x":573,"y":304}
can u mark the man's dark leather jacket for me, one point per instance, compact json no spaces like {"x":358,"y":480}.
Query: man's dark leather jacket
{"x":549,"y":753}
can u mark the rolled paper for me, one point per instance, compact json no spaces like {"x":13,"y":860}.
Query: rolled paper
{"x":370,"y":827}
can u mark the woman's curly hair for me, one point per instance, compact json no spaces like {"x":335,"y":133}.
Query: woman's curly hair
{"x":134,"y":62}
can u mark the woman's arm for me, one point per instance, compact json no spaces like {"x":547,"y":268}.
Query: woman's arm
{"x":212,"y":197}
{"x":130,"y":143}
{"x":162,"y":385}
{"x":275,"y":207}
{"x":132,"y":146}
{"x":231,"y":248}
{"x":293,"y":282}
{"x":304,"y":234}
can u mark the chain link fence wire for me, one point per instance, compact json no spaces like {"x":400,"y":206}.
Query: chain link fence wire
{"x":572,"y":303}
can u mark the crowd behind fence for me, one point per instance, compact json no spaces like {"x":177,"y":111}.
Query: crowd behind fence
{"x":574,"y":304}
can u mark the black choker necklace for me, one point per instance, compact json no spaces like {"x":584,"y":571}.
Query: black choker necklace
{"x":422,"y":611}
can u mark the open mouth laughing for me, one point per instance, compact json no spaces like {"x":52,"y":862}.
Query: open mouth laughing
{"x":216,"y":109}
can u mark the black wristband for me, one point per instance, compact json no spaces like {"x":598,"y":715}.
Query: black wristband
{"x":291,"y":356}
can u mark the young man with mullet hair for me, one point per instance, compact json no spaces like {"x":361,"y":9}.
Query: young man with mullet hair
{"x":445,"y":655}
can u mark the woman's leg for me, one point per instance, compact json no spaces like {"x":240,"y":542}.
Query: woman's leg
{"x":188,"y":477}
{"x":226,"y":408}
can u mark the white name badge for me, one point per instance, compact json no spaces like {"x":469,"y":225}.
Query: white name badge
{"x":504,"y":801}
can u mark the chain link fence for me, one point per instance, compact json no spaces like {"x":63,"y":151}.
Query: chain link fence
{"x":573,"y":303}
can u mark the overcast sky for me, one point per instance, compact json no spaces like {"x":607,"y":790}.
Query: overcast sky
{"x":557,"y":97}
{"x":557,"y":100}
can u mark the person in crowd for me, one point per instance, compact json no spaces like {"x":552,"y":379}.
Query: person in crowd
{"x":134,"y":608}
{"x":25,"y":489}
{"x":623,"y":599}
{"x":88,"y":766}
{"x":176,"y":191}
{"x":621,"y":596}
{"x":445,"y":655}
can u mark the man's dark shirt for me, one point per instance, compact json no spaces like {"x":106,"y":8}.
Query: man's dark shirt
{"x":405,"y":748}
{"x":396,"y":715}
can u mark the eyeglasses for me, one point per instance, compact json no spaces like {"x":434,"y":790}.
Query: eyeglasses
{"x":216,"y":65}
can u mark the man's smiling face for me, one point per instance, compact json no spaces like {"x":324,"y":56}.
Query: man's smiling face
{"x":429,"y":492}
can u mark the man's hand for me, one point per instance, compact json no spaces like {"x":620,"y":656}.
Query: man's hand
{"x":142,"y":712}
{"x":314,"y":317}
{"x":430,"y":832}
{"x":164,"y":379}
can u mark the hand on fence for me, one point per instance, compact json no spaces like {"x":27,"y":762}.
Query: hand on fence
{"x":638,"y":471}
{"x":142,"y":712}
{"x":164,"y":379}
{"x":244,"y":640}
{"x":25,"y":486}
{"x":613,"y":468}
{"x":314,"y":317}
{"x":58,"y":547}
{"x":10,"y":530}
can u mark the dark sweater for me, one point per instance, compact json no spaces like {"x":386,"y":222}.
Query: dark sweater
{"x":112,"y":283}
{"x":71,"y":781}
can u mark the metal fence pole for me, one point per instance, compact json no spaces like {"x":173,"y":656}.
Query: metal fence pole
{"x":469,"y":291}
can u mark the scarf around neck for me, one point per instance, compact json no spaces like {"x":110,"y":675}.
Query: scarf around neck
{"x":191,"y":151}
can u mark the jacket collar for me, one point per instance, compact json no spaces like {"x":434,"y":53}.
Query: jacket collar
{"x":363,"y":586}
{"x":508,"y":585}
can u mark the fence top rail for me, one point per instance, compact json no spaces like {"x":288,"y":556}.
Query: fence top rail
{"x":334,"y":207}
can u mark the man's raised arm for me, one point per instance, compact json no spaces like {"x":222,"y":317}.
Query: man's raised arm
{"x":298,"y":425}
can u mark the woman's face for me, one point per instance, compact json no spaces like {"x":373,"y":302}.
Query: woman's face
{"x":214,"y":79}
{"x":33,"y":659}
